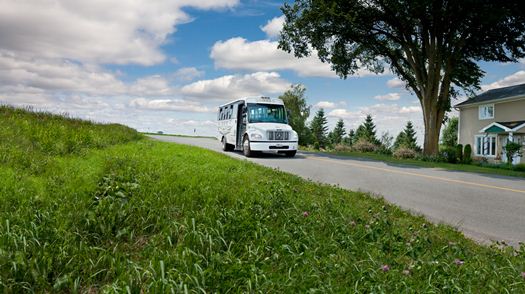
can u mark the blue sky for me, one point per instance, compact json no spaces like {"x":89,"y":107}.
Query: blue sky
{"x":166,"y":65}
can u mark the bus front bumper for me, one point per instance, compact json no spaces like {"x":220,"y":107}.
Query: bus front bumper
{"x":273,"y":146}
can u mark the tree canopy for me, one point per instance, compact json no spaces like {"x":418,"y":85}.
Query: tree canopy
{"x":432,"y":45}
{"x":298,"y":111}
{"x":449,"y":136}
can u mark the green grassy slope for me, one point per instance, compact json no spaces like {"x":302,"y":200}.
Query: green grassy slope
{"x":156,"y":216}
{"x":29,"y":139}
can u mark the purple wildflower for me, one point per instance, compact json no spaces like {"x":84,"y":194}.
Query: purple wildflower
{"x":306,"y":214}
{"x":385,"y":268}
{"x":458,"y":261}
{"x":523,"y":275}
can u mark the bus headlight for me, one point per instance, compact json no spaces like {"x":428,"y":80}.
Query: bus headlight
{"x":295,"y":137}
{"x":255,"y":136}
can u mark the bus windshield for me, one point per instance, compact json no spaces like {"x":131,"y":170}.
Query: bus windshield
{"x":269,"y":113}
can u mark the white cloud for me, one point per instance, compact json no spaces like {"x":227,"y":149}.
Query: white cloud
{"x":152,"y":86}
{"x":511,"y":80}
{"x":343,"y":113}
{"x":325,"y":104}
{"x":235,"y":86}
{"x":168,"y":104}
{"x":410,"y":109}
{"x":238,"y":53}
{"x":395,"y":83}
{"x":389,"y":97}
{"x":187,"y":74}
{"x":112,"y":31}
{"x":55,"y":75}
{"x":273,"y":27}
{"x":263,"y":55}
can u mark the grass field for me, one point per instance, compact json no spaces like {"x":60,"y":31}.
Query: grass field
{"x":450,"y":166}
{"x":134,"y":215}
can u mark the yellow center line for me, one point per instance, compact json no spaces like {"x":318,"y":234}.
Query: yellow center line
{"x":416,"y":174}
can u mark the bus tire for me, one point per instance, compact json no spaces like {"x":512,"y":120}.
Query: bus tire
{"x":246,"y":147}
{"x":290,"y":153}
{"x":224,"y":144}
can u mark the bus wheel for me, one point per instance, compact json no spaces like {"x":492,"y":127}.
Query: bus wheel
{"x":246,"y":147}
{"x":224,"y":144}
{"x":290,"y":153}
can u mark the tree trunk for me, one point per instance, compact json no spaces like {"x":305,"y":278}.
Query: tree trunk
{"x":433,"y":117}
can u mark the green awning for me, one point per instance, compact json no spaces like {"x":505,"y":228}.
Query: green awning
{"x":494,"y":129}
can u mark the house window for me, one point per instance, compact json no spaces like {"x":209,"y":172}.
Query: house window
{"x":486,"y":111}
{"x":486,"y":146}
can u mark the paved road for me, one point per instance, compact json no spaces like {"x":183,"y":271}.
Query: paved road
{"x":484,"y":207}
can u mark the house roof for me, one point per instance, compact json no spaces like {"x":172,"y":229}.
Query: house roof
{"x":512,"y":124}
{"x":496,"y":94}
{"x":500,"y":127}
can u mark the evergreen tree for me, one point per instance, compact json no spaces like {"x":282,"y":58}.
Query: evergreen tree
{"x":319,"y":128}
{"x":367,"y":131}
{"x":349,"y":140}
{"x":407,"y":138}
{"x":336,"y":136}
{"x":400,"y":140}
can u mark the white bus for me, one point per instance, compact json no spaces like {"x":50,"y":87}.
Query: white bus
{"x":256,"y":125}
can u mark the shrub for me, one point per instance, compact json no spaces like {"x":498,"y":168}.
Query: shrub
{"x":384,"y":150}
{"x":362,"y":145}
{"x":512,"y":149}
{"x":431,"y":158}
{"x":459,"y":152}
{"x":450,"y":154}
{"x":342,"y":148}
{"x":467,"y":154}
{"x":404,"y":153}
{"x":519,"y":167}
{"x":316,"y":146}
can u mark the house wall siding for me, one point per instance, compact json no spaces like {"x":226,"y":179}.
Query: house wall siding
{"x":471,"y":124}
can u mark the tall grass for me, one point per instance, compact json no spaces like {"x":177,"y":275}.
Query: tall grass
{"x":28,"y":139}
{"x":157,"y":217}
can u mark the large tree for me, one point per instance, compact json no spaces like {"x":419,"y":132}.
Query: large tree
{"x":433,"y":46}
{"x":295,"y":101}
